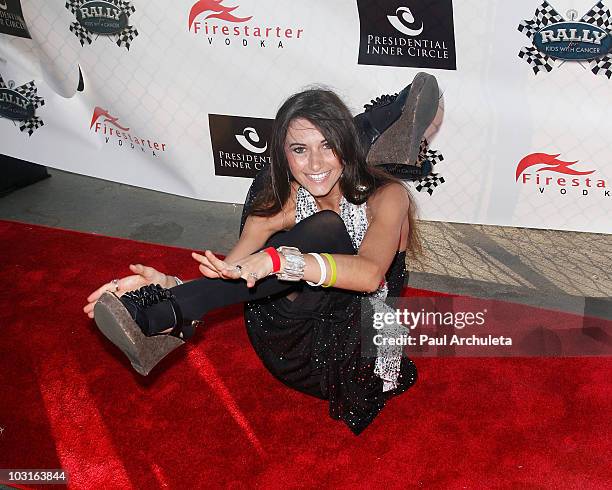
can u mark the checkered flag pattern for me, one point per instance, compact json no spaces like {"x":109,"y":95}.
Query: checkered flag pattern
{"x":433,"y":180}
{"x":31,"y":124}
{"x":429,"y":183}
{"x":545,"y":14}
{"x":126,"y":6}
{"x":74,"y":5}
{"x":80,"y":32}
{"x":603,"y":66}
{"x":29,"y":91}
{"x":598,"y":15}
{"x":434,"y":156}
{"x":537,"y":60}
{"x":126,"y":36}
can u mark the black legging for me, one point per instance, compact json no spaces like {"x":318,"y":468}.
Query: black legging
{"x":322,"y":232}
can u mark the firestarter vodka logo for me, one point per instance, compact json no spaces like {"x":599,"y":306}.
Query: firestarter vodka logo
{"x":224,"y":25}
{"x":557,"y":40}
{"x":407,"y":33}
{"x":117,"y":134}
{"x":240,"y":144}
{"x":538,"y":171}
{"x":19,"y":105}
{"x":11,"y":19}
{"x":108,"y":18}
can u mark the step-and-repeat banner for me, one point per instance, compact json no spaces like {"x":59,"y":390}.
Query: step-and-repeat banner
{"x":179,"y":96}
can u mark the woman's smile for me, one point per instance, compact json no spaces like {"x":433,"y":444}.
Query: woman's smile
{"x":313,"y":162}
{"x":320,"y":177}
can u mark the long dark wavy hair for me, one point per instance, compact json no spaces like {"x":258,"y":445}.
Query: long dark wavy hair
{"x":358,"y":181}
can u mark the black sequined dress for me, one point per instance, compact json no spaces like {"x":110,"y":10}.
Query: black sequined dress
{"x":313,"y":344}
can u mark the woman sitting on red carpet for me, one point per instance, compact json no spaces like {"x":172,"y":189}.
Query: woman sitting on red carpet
{"x":325,"y":239}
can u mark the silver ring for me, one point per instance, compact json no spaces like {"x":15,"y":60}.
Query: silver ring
{"x":238,"y":267}
{"x":254,"y":275}
{"x":115,"y":282}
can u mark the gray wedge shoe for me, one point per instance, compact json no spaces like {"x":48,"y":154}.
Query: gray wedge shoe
{"x":400,"y":142}
{"x":124,"y":320}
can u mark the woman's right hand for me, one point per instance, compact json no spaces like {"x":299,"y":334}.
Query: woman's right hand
{"x":143,"y":276}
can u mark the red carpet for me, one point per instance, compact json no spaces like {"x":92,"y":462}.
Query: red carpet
{"x":212,"y":416}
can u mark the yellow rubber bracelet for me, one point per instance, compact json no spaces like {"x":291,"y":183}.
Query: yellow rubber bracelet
{"x":332,"y":265}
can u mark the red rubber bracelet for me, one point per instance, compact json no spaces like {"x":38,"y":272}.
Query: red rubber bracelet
{"x":276,"y":262}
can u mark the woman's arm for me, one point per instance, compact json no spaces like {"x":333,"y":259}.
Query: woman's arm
{"x":366,"y":270}
{"x":257,"y":230}
{"x":361,"y":272}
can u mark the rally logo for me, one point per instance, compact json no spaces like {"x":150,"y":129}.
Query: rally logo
{"x":557,"y":40}
{"x":221,"y":24}
{"x":539,"y":169}
{"x":239,"y":144}
{"x":116,"y":133}
{"x":11,"y":19}
{"x":19,"y":105}
{"x":109,"y":18}
{"x":407,"y":33}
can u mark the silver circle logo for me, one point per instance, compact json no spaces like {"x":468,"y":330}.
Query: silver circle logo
{"x":248,"y":139}
{"x":404,"y":21}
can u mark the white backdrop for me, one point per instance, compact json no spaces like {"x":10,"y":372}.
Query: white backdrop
{"x":495,"y":111}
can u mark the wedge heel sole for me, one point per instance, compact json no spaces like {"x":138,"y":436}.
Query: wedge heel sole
{"x":116,"y":324}
{"x":401,"y":141}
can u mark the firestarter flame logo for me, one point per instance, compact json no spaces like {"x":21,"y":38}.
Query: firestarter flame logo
{"x":554,"y":175}
{"x":218,"y":10}
{"x":108,"y":126}
{"x":220,"y":25}
{"x":99,"y":112}
{"x":554,"y":165}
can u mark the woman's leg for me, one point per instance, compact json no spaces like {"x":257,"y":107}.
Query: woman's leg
{"x":321,"y":232}
{"x":132,"y":321}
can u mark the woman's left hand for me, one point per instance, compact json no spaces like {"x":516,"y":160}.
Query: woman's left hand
{"x":250,"y":268}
